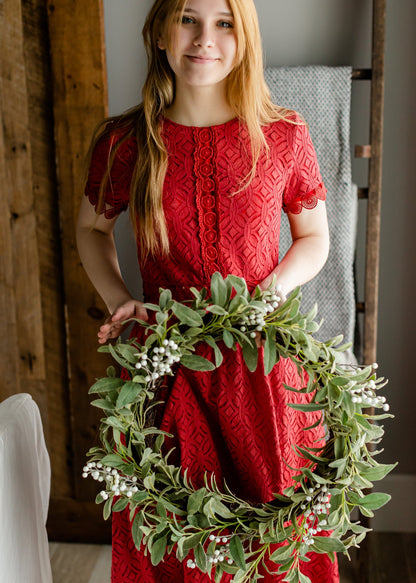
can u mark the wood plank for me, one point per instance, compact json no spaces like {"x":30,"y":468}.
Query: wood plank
{"x":375,"y":182}
{"x":55,"y":416}
{"x":80,"y":101}
{"x":384,"y":546}
{"x":372,"y":259}
{"x":347,"y":568}
{"x":409,"y":545}
{"x":19,"y":193}
{"x":83,"y":521}
{"x":9,"y":361}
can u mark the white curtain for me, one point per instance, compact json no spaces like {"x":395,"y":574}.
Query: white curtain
{"x":24,"y":493}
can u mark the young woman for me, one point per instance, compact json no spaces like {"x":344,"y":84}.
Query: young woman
{"x":205,"y":164}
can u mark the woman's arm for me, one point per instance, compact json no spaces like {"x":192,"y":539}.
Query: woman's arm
{"x":308,"y":252}
{"x":96,"y":247}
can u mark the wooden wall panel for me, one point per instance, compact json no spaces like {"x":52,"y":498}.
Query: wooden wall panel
{"x":33,"y":355}
{"x":34,"y":348}
{"x":80,"y":101}
{"x":19,"y":194}
{"x":40,"y":118}
{"x":10,"y":381}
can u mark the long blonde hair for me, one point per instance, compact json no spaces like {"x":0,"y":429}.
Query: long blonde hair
{"x":253,"y":106}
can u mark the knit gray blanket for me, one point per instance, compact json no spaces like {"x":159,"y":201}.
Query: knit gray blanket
{"x":323,"y":96}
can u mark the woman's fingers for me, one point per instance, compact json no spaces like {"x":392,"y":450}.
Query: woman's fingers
{"x":109,"y":330}
{"x":114,"y":326}
{"x":141,"y":313}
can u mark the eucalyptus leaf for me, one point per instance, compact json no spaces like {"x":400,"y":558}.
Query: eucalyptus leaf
{"x":201,"y":558}
{"x":186,"y":542}
{"x":366,"y":512}
{"x":221,"y":509}
{"x":270,"y":352}
{"x":217,"y":310}
{"x":103,"y":404}
{"x":195,"y":500}
{"x":127,"y":351}
{"x":186,"y":315}
{"x":161,"y":318}
{"x":158,"y":550}
{"x":217,"y":352}
{"x":106,"y":385}
{"x":128,"y":394}
{"x":250,"y":354}
{"x":228,"y":338}
{"x":196,"y":362}
{"x":238,"y":284}
{"x":237,"y":552}
{"x":307,"y":407}
{"x":151,"y":307}
{"x":120,"y":505}
{"x":327,"y":544}
{"x":118,"y":358}
{"x":140,"y":496}
{"x":238,"y":303}
{"x":136,"y":531}
{"x":372,"y":501}
{"x":378,"y":472}
{"x":114,"y":422}
{"x":283,"y":553}
{"x":149,"y":482}
{"x":218,"y":289}
{"x":164,"y":298}
{"x":107,"y":509}
{"x":303,"y":578}
{"x":286,"y":567}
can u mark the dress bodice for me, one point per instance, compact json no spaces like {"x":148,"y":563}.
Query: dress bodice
{"x":215,"y":222}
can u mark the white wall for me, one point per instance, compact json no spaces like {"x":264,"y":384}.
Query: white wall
{"x":330,"y":32}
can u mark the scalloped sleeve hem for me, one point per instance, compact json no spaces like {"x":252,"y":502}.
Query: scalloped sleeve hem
{"x":306,"y":201}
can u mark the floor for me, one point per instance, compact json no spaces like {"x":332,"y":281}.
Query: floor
{"x":76,"y":563}
{"x":392,"y":559}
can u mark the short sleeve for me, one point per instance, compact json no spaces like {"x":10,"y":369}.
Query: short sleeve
{"x":304,"y":186}
{"x":117,"y":185}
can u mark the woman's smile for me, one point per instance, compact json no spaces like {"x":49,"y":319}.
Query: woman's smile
{"x":201,"y":60}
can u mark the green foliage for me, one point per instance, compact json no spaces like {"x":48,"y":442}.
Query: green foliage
{"x":210,"y":523}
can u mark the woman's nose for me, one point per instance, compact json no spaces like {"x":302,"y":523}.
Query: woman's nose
{"x":204,"y":37}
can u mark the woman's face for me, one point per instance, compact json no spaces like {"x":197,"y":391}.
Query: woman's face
{"x":206,"y":44}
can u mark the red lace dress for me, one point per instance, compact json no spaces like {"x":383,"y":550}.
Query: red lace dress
{"x":230,"y":421}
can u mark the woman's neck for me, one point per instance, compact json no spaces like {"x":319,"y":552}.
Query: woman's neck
{"x":199,"y":107}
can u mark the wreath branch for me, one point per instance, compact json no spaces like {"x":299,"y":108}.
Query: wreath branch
{"x":213,"y":529}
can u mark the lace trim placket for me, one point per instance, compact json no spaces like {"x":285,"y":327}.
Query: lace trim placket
{"x":207,"y":200}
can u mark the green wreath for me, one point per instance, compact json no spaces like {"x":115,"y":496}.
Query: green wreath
{"x":210,"y":527}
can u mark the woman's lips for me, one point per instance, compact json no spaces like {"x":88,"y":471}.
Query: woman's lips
{"x":201,"y":60}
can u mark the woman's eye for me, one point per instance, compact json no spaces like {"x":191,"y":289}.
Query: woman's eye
{"x":225,"y":24}
{"x":187,"y":20}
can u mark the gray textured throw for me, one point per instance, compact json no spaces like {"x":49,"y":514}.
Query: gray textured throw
{"x":323,"y":96}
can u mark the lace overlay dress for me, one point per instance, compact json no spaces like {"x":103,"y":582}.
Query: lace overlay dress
{"x":229,"y":421}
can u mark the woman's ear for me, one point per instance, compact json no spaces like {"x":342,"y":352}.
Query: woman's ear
{"x":160,"y":44}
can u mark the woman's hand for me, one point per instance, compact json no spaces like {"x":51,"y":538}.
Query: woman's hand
{"x":113,"y":326}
